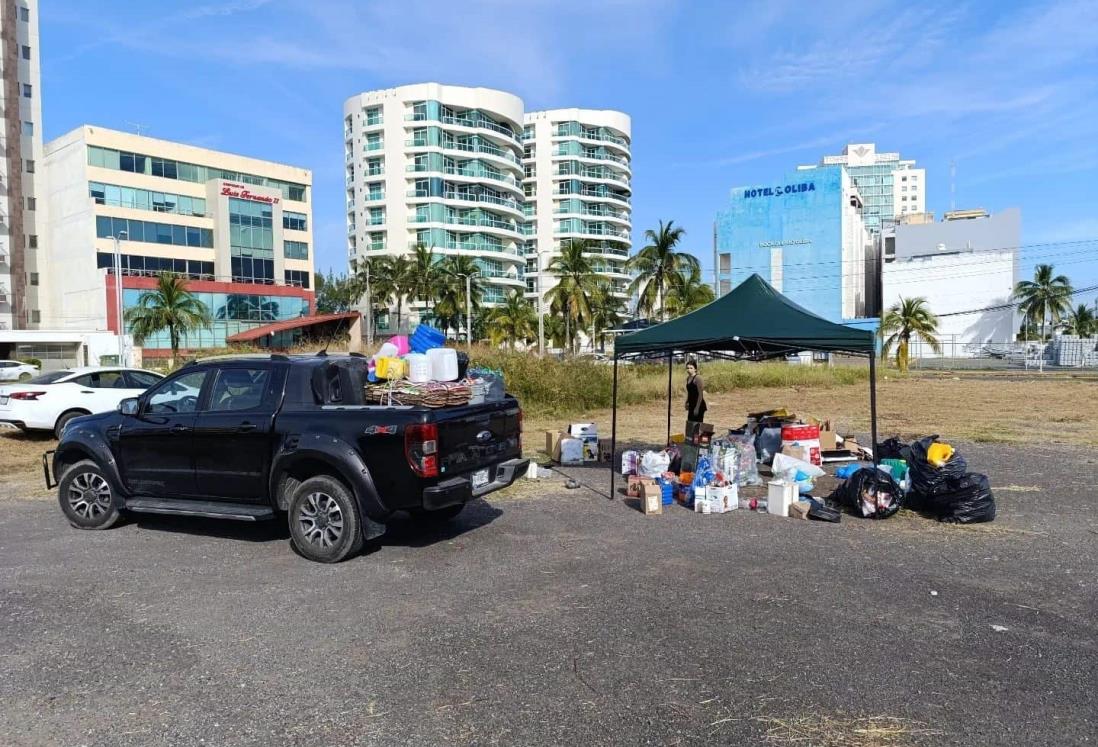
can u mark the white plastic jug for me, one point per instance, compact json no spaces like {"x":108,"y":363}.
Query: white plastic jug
{"x":444,"y":364}
{"x":419,"y":367}
{"x":387,"y":350}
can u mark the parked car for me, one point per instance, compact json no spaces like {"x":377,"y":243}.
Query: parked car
{"x":50,"y":401}
{"x":257,"y":438}
{"x":17,"y":371}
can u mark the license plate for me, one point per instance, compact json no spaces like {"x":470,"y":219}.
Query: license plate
{"x":480,"y":478}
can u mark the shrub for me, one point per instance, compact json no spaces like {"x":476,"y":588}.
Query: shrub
{"x":31,"y":362}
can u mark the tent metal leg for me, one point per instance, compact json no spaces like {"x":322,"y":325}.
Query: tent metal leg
{"x":614,"y":430}
{"x":873,"y":407}
{"x":670,"y":366}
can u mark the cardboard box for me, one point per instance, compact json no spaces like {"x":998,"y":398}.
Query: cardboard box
{"x":552,"y":444}
{"x":590,"y":448}
{"x":797,"y":452}
{"x":829,"y":440}
{"x":799,"y":509}
{"x":571,"y":451}
{"x":633,"y":486}
{"x":582,"y":430}
{"x":651,"y":498}
{"x":604,"y":451}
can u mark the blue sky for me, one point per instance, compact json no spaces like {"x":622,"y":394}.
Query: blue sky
{"x":721,"y":93}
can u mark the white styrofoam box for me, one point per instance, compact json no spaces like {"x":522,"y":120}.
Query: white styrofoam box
{"x":571,"y":451}
{"x":419,"y":367}
{"x":444,"y":364}
{"x":779,"y":495}
{"x":579,"y":430}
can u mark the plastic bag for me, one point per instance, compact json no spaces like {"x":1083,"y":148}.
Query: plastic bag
{"x":783,"y":463}
{"x":768,"y":443}
{"x":891,"y":448}
{"x":928,"y":480}
{"x":870,"y":493}
{"x":967,"y":500}
{"x":654,"y":463}
{"x":747,"y":472}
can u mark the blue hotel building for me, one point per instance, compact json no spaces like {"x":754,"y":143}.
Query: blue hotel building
{"x":804,"y":233}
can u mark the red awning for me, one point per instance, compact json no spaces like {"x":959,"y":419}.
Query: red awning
{"x":258,"y":333}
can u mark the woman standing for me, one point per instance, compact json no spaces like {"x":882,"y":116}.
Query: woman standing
{"x":695,"y":395}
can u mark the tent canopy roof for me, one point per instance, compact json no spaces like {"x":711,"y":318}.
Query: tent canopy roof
{"x":753,"y":321}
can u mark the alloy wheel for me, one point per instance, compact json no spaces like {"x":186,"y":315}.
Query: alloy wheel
{"x":321,"y":520}
{"x":89,"y":495}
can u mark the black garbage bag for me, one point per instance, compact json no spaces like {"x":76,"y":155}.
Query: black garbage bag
{"x":892,"y":448}
{"x":869,"y":492}
{"x":928,"y":480}
{"x":967,"y":500}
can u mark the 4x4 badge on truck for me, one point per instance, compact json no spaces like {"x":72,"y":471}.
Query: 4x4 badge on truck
{"x":484,"y":437}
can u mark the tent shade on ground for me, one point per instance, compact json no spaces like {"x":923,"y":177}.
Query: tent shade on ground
{"x":752,"y":322}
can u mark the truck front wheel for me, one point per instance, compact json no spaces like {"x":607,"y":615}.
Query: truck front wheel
{"x":324,"y":523}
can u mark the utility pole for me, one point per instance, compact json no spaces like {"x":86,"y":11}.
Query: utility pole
{"x":118,"y":295}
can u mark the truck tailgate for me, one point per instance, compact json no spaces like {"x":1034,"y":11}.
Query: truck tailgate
{"x":477,"y":436}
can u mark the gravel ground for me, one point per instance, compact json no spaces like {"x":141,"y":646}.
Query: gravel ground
{"x":550,"y":616}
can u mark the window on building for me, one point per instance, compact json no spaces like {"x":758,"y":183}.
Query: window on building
{"x":28,"y":90}
{"x":24,"y":15}
{"x":26,"y":52}
{"x":375,"y":191}
{"x":377,"y":240}
{"x":28,"y":128}
{"x":372,"y":116}
{"x":294,"y":221}
{"x":28,"y":166}
{"x":32,"y":203}
{"x":295,"y":250}
{"x":297,"y":278}
{"x":32,"y":241}
{"x":34,"y":278}
{"x":375,"y":166}
{"x":36,"y":316}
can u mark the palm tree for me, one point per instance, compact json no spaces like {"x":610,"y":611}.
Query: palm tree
{"x":570,"y":296}
{"x":688,"y":292}
{"x":908,"y":317}
{"x":450,"y":309}
{"x":1080,"y":322}
{"x":170,"y":306}
{"x":657,"y":266}
{"x":334,"y":294}
{"x":425,"y":277}
{"x":606,"y":310}
{"x":397,"y":273}
{"x":555,"y":333}
{"x":513,"y":320}
{"x":1045,"y":298}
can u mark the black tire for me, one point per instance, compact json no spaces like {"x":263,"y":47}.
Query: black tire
{"x":24,"y":376}
{"x":87,"y":497}
{"x":324,"y":522}
{"x":438,"y":516}
{"x":62,"y":421}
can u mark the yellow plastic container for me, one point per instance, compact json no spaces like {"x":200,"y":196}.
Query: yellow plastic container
{"x":938,"y":454}
{"x":678,"y":438}
{"x":390,"y":368}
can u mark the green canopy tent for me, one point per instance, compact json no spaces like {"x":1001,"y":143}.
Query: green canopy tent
{"x":752,"y":322}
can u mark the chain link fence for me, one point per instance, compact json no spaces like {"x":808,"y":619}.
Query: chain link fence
{"x":1062,"y":352}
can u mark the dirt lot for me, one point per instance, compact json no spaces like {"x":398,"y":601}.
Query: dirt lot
{"x":981,"y":407}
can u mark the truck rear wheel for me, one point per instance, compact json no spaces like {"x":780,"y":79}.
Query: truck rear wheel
{"x":324,"y":523}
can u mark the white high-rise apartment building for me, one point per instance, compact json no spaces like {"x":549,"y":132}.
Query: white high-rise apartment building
{"x":577,"y":175}
{"x":441,"y":167}
{"x":464,"y":171}
{"x":889,"y":186}
{"x":21,"y":206}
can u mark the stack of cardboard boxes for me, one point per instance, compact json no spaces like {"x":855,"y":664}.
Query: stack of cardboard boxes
{"x":576,"y":445}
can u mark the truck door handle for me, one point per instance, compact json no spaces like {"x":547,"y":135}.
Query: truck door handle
{"x":245,"y":427}
{"x":86,"y":391}
{"x":180,"y":428}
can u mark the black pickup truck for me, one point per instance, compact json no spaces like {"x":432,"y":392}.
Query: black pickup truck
{"x":251,"y":438}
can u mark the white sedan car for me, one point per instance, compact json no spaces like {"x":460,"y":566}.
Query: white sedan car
{"x":17,"y":371}
{"x":51,"y":400}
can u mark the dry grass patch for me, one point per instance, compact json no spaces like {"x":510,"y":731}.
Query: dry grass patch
{"x":829,"y":731}
{"x":20,"y":464}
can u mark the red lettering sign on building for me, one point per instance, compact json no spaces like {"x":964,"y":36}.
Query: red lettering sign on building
{"x":241,"y":192}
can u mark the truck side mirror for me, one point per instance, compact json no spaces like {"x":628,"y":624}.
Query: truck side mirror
{"x":129,"y":406}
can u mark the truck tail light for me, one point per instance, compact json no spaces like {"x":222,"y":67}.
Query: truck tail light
{"x":29,"y":396}
{"x":421,"y":448}
{"x":520,"y":432}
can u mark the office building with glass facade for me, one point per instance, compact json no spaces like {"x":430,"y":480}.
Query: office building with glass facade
{"x":577,"y":183}
{"x":237,"y":229}
{"x":805,"y":234}
{"x":890,"y":187}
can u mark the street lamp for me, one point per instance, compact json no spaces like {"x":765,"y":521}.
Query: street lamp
{"x":118,"y":293}
{"x":468,"y":307}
